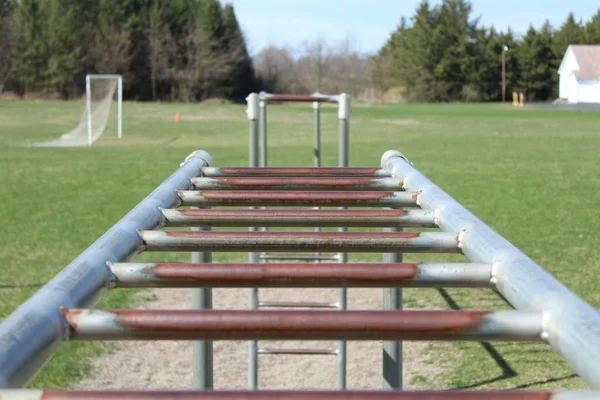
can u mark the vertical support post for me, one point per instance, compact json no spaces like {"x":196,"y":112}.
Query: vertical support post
{"x":120,"y":107}
{"x":343,"y":156}
{"x":317,"y":147}
{"x":504,"y":48}
{"x":203,"y":350}
{"x":263,"y":132}
{"x":253,"y":120}
{"x":88,"y":99}
{"x":392,"y":351}
{"x":317,"y":133}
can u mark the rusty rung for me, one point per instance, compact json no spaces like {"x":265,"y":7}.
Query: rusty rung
{"x":298,"y":218}
{"x":274,"y":198}
{"x":137,"y":275}
{"x":314,"y":351}
{"x":302,"y":325}
{"x":298,"y":257}
{"x":221,"y":172}
{"x":298,"y":183}
{"x":30,"y":394}
{"x":306,"y":98}
{"x":351,"y":242}
{"x":298,"y":304}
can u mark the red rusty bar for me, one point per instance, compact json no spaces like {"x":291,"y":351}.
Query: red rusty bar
{"x":301,"y":325}
{"x":216,"y":172}
{"x":351,"y":242}
{"x":282,"y":395}
{"x":297,"y":199}
{"x":315,"y":351}
{"x":298,"y":183}
{"x":298,"y":218}
{"x":263,"y":275}
{"x":298,"y":304}
{"x":305,"y":98}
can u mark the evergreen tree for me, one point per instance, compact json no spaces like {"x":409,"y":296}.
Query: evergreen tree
{"x":416,"y":55}
{"x":242,"y":79}
{"x":592,"y":30}
{"x":452,"y":48}
{"x":537,"y":64}
{"x":63,"y":44}
{"x":485,"y":72}
{"x":571,"y":32}
{"x":31,"y":48}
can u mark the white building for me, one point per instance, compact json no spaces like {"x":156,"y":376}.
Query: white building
{"x":579,"y":74}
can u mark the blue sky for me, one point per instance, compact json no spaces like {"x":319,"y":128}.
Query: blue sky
{"x":368,"y":23}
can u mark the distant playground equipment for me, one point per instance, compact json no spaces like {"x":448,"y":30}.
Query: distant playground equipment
{"x":100,"y":93}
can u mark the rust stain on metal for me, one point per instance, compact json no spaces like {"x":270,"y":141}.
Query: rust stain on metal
{"x":296,"y":97}
{"x":278,"y":217}
{"x":293,"y":171}
{"x":328,"y":236}
{"x":70,"y":315}
{"x":416,"y":195}
{"x":297,"y":198}
{"x":292,"y":395}
{"x":288,"y":183}
{"x":297,"y":324}
{"x":287,"y":274}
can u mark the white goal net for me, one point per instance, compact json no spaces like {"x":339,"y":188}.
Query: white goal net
{"x":104,"y":93}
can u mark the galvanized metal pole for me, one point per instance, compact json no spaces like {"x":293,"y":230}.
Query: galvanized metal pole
{"x":263,"y":132}
{"x":88,"y":99}
{"x":343,"y":155}
{"x":31,"y":335}
{"x":392,"y":351}
{"x":120,"y":108}
{"x":203,"y":351}
{"x":317,"y":133}
{"x":253,"y":119}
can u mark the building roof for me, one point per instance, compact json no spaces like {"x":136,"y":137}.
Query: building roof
{"x":588,"y":59}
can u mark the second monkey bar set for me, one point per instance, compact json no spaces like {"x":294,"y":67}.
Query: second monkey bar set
{"x":258,"y":157}
{"x":392,"y":196}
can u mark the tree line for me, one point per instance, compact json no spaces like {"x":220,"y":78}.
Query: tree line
{"x":444,"y":54}
{"x":183,"y":50}
{"x":189,"y":50}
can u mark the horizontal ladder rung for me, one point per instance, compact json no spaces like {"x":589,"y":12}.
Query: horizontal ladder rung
{"x":299,"y":218}
{"x":219,"y":172}
{"x":299,"y":257}
{"x":302,"y":325}
{"x":351,"y":242}
{"x":238,"y":275}
{"x":316,"y":352}
{"x":297,"y":304}
{"x":304,"y":183}
{"x":20,"y":394}
{"x":254,"y":198}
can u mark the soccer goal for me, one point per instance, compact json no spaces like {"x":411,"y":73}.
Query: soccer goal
{"x":99,"y":114}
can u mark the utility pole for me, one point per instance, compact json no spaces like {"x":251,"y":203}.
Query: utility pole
{"x":504,"y":50}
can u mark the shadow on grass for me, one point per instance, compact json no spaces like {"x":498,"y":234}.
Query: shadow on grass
{"x":507,"y":371}
{"x":23,"y":285}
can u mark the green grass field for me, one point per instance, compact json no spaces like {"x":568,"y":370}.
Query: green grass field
{"x":532,"y":175}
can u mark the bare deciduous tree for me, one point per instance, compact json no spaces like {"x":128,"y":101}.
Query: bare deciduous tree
{"x":275,"y":69}
{"x":160,"y":46}
{"x":112,"y":50}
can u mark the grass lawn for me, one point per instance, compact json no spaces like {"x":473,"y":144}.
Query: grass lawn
{"x":533,"y":175}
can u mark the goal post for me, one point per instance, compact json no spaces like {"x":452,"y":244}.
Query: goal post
{"x":98,"y":114}
{"x":88,"y":91}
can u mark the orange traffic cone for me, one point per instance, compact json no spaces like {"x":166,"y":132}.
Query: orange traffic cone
{"x":177,"y":117}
